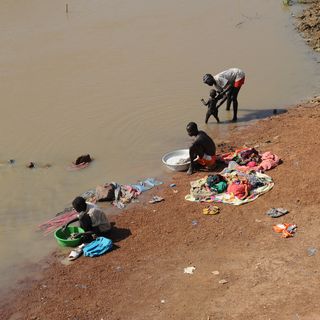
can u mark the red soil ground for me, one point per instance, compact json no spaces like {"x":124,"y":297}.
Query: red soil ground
{"x":267,"y":277}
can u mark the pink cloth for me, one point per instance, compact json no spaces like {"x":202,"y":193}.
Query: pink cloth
{"x":251,"y":164}
{"x":269,"y":161}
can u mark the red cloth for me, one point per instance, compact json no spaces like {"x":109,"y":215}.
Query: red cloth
{"x":238,"y":189}
{"x":239,"y":83}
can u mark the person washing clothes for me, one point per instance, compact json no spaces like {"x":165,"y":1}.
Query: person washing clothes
{"x":227,"y":82}
{"x":91,"y":218}
{"x":203,"y":150}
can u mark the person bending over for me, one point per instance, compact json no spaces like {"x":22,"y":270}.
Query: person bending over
{"x":212,"y":105}
{"x":227,"y":82}
{"x":203,"y":149}
{"x":91,"y":218}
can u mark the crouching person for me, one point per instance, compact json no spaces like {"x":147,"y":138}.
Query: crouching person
{"x":203,"y":150}
{"x":91,"y":218}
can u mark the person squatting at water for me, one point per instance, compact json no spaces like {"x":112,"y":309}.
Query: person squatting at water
{"x":203,"y":150}
{"x":212,"y":105}
{"x":227,"y":82}
{"x":91,"y":218}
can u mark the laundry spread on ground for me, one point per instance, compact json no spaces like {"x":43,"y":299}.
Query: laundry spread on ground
{"x":121,"y":195}
{"x":249,"y":159}
{"x":230,"y":186}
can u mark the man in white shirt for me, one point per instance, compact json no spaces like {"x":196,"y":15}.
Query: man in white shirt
{"x":227,"y":82}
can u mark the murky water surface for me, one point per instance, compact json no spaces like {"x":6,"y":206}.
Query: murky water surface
{"x":120,"y":80}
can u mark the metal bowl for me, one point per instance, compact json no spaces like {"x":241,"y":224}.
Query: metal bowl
{"x":170,"y":160}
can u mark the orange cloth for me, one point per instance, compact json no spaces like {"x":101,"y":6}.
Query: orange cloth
{"x":208,"y":162}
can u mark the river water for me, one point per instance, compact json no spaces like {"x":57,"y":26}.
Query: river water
{"x":120,"y":80}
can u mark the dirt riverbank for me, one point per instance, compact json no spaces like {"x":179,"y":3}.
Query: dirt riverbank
{"x":267,"y":277}
{"x":309,"y":24}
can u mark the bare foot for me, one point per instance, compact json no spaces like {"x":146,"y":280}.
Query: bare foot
{"x":190,"y":171}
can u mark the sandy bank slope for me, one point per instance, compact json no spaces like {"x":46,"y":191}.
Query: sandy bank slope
{"x":268,"y":277}
{"x":309,"y":24}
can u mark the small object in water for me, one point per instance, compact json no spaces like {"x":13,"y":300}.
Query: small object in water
{"x":156,"y":199}
{"x":85,"y":158}
{"x":74,"y":235}
{"x":275,"y":111}
{"x":183,"y":161}
{"x":11,"y":161}
{"x":31,"y":165}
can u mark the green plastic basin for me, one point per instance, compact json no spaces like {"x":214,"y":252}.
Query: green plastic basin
{"x":62,"y":236}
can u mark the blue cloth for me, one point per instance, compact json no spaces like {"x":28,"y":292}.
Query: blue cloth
{"x":97,"y":247}
{"x":145,"y":185}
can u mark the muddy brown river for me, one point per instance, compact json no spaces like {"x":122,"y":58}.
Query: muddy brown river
{"x":120,"y":80}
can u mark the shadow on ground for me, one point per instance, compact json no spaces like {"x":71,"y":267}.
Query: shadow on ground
{"x":117,"y":234}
